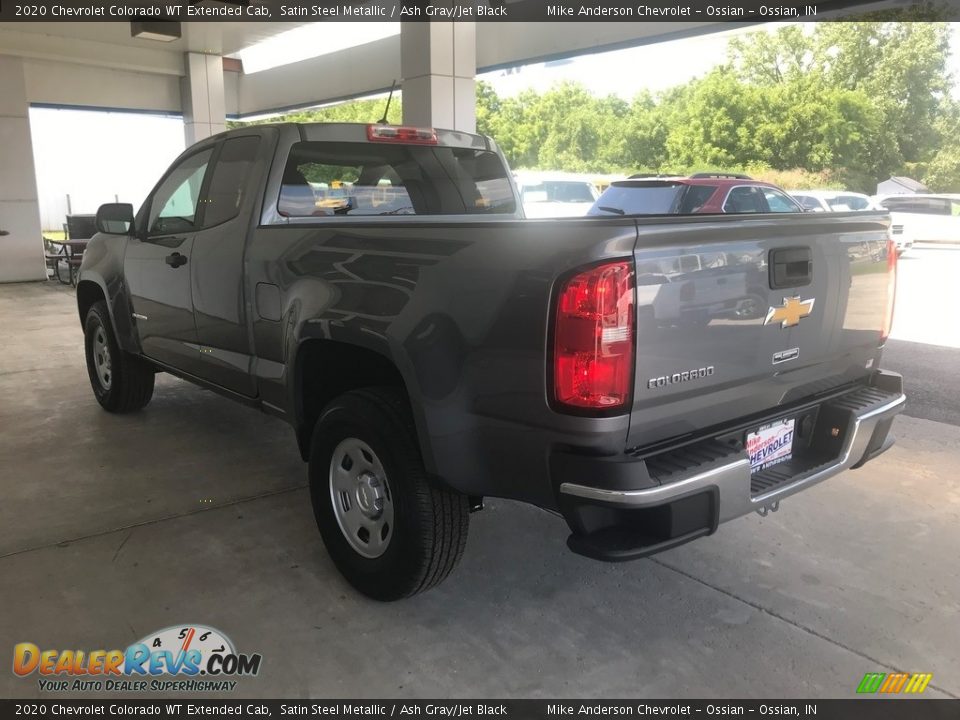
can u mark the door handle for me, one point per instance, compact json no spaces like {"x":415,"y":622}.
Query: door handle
{"x":175,"y":260}
{"x":791,"y":267}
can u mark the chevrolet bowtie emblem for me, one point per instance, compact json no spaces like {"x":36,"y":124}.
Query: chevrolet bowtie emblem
{"x":790,"y":312}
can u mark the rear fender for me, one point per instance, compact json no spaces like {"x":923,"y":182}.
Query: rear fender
{"x":364,"y":339}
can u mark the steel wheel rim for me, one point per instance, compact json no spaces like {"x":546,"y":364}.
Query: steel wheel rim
{"x":361,"y":497}
{"x":102,"y":361}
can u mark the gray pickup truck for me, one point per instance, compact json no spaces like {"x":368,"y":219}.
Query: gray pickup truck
{"x":378,"y":288}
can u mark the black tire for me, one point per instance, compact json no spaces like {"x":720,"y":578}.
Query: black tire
{"x":126,"y":385}
{"x":428,"y":532}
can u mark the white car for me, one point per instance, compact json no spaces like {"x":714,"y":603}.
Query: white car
{"x":832,"y":200}
{"x":921,"y":218}
{"x":550,"y":195}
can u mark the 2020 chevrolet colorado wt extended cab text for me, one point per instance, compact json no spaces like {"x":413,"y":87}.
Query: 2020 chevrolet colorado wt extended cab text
{"x":378,"y":288}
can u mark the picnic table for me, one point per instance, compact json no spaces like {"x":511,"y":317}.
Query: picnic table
{"x":69,"y":252}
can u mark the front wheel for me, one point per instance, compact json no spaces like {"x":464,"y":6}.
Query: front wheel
{"x":389,"y":529}
{"x":121,"y":382}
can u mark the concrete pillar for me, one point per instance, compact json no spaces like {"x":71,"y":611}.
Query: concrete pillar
{"x":21,"y":244}
{"x":438,"y":61}
{"x":204,"y":108}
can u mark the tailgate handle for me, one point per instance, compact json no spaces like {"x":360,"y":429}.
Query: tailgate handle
{"x":790,"y":267}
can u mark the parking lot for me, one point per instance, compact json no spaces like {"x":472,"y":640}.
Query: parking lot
{"x":196,"y":511}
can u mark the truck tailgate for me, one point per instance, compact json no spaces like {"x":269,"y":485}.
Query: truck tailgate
{"x":736,"y":316}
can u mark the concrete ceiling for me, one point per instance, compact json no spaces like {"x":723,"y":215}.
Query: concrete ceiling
{"x":109,"y":44}
{"x":220,"y":38}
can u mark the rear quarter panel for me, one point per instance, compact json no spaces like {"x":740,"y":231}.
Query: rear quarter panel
{"x":462,"y":310}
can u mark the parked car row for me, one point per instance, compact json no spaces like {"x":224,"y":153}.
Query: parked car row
{"x":914,"y":218}
{"x":547,"y":195}
{"x":700,"y":193}
{"x":832,"y":200}
{"x":921,"y":218}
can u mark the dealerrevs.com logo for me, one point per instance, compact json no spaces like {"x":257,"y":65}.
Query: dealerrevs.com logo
{"x":188,"y":658}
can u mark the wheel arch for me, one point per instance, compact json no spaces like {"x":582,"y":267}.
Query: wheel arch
{"x":324,"y":369}
{"x":89,"y":293}
{"x":91,"y":288}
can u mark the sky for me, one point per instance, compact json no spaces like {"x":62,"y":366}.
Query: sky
{"x":101,"y":167}
{"x":670,"y":63}
{"x":658,"y":67}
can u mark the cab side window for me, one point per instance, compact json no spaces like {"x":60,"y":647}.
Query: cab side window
{"x":779,"y":202}
{"x":229,"y":181}
{"x":745,"y":199}
{"x":177,"y":199}
{"x":695,"y":198}
{"x":855,"y":203}
{"x":808,"y":203}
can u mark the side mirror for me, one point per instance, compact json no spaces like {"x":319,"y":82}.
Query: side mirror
{"x":115,"y":218}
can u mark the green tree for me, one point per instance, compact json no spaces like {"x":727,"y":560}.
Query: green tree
{"x":846,"y":103}
{"x":641,"y":136}
{"x":711,"y":121}
{"x":763,"y":58}
{"x":900,"y":68}
{"x":942,"y":172}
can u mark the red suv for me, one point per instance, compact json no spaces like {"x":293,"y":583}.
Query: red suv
{"x":700,"y":193}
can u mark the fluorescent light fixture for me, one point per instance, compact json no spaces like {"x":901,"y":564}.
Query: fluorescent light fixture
{"x":313,"y":40}
{"x":160,"y":30}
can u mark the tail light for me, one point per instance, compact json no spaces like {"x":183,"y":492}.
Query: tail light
{"x":406,"y":135}
{"x":593,"y":338}
{"x":891,"y":289}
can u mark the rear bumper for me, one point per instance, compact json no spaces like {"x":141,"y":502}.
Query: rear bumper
{"x":686,"y":493}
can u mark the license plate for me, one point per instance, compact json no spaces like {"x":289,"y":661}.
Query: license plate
{"x":770,"y":444}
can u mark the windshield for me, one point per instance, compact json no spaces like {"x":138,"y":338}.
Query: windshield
{"x":849,"y":202}
{"x":808,"y":203}
{"x":563,"y":191}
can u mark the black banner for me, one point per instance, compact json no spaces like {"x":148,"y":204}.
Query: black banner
{"x":860,"y":709}
{"x":752,"y":11}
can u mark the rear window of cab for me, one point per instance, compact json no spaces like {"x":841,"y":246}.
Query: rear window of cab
{"x":638,"y":199}
{"x":336,"y":179}
{"x":920,"y":205}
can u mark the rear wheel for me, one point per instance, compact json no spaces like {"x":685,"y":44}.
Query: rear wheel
{"x":121,"y":382}
{"x":389,"y":529}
